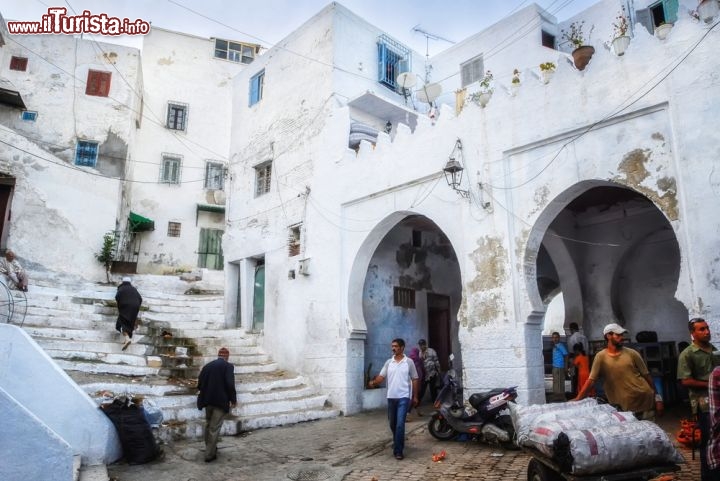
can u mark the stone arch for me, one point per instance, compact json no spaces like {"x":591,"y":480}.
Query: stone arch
{"x":407,"y":254}
{"x":603,"y":240}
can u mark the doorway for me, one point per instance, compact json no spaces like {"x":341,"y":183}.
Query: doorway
{"x":7,"y":186}
{"x":438,"y":307}
{"x":258,"y":322}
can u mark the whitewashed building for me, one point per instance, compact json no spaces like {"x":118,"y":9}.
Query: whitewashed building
{"x":598,"y":184}
{"x":98,"y":138}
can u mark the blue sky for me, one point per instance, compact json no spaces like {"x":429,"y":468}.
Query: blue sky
{"x":268,"y":21}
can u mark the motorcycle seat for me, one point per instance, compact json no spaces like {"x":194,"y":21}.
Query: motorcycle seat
{"x":477,"y":399}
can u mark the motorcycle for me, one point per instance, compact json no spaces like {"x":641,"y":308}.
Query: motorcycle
{"x":486,"y":418}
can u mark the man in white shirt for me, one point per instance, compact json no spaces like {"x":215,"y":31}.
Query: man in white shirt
{"x":576,"y":337}
{"x":402,"y":383}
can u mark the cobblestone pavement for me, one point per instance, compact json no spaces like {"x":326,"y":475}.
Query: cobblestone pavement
{"x":352,"y":448}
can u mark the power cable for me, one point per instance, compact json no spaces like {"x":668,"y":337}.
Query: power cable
{"x":616,"y":111}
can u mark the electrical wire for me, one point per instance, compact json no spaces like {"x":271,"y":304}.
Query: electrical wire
{"x":627,"y":103}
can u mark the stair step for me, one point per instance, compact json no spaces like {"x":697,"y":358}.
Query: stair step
{"x":232,"y":426}
{"x":104,"y":368}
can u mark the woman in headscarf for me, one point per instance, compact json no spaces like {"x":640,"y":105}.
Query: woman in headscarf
{"x":128,"y":302}
{"x":415,"y":356}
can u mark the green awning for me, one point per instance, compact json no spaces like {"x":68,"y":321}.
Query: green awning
{"x":211,"y":208}
{"x":138,"y":223}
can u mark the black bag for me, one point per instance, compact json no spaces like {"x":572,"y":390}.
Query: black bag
{"x":135,"y":434}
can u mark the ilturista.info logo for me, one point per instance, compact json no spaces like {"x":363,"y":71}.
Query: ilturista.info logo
{"x":57,"y":21}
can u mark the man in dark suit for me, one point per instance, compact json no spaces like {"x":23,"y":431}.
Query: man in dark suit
{"x":217,"y":395}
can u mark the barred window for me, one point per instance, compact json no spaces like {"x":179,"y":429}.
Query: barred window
{"x":174,"y":229}
{"x":263,"y":175}
{"x":170,"y":169}
{"x":214,"y":176}
{"x":177,"y":116}
{"x":404,"y":297}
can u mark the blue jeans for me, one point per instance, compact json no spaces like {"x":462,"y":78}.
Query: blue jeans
{"x":397,"y":412}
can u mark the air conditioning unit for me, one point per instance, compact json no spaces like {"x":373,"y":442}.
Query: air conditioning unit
{"x":304,"y":267}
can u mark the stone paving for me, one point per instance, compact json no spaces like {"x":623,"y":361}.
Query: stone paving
{"x":352,"y":448}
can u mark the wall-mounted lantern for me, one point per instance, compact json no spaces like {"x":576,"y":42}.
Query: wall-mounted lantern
{"x":453,"y":170}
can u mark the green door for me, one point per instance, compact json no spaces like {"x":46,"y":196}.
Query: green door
{"x":210,"y":253}
{"x":259,"y":299}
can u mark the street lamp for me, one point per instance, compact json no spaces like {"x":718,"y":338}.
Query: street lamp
{"x":453,"y":170}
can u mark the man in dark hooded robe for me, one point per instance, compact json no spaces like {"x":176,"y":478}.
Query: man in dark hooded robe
{"x":128,"y":301}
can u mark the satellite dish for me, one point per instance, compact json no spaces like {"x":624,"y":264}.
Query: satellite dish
{"x":429,"y":92}
{"x":406,"y":80}
{"x":219,"y":197}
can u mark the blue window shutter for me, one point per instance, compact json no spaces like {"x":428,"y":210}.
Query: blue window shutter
{"x":670,"y":9}
{"x":254,"y":88}
{"x":382,"y":62}
{"x":644,"y":17}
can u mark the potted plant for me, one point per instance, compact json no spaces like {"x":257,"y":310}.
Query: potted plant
{"x":621,"y":40}
{"x":482,"y":96}
{"x":547,"y":69}
{"x":581,"y":53}
{"x":515,"y":82}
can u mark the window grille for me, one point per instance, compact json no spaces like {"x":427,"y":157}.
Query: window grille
{"x":404,"y":297}
{"x":263,"y":175}
{"x":174,"y":229}
{"x":177,"y":116}
{"x":393,"y":59}
{"x":214,"y":176}
{"x":170,"y":169}
{"x":86,"y":153}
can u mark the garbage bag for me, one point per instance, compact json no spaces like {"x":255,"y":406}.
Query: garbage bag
{"x":620,"y":446}
{"x":524,"y":417}
{"x":548,"y":426}
{"x":136,"y":437}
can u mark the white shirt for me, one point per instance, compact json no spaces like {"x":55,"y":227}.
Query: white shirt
{"x":399,"y":375}
{"x":578,"y":338}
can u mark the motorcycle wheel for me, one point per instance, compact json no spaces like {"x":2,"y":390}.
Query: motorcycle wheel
{"x":440,"y":429}
{"x":537,"y":471}
{"x":505,"y":422}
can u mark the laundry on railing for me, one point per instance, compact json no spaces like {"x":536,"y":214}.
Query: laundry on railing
{"x":360,"y":132}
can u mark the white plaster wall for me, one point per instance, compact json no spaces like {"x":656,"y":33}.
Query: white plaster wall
{"x":30,"y":450}
{"x":72,"y":207}
{"x":54,"y":86}
{"x":180,"y":68}
{"x":514,"y":147}
{"x":54,"y":199}
{"x":32,"y":378}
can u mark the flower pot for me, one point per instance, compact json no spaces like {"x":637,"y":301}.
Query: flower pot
{"x":546,"y":75}
{"x":661,"y":31}
{"x":620,"y":44}
{"x":483,"y":98}
{"x":582,"y":55}
{"x":707,"y":10}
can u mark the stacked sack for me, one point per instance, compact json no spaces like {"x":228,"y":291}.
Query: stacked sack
{"x":585,"y":437}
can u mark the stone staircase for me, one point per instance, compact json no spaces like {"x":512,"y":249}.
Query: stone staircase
{"x":74,"y":323}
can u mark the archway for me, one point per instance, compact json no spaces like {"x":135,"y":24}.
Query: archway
{"x":411,"y":288}
{"x":614,"y":256}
